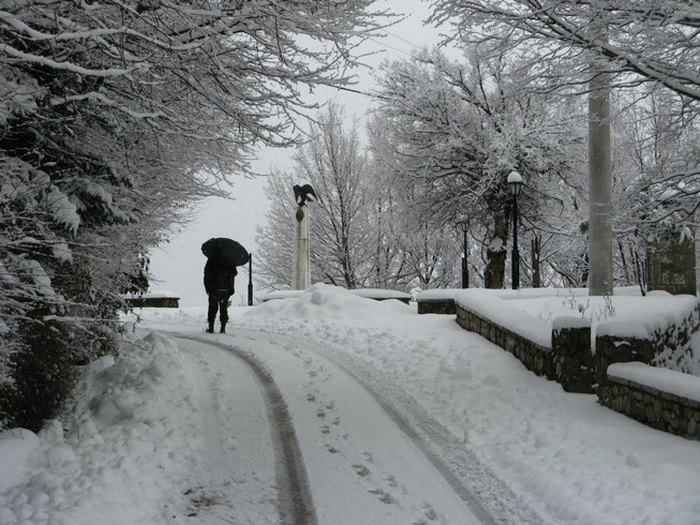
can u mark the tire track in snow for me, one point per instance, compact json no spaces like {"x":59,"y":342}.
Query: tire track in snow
{"x":491,"y":500}
{"x":296,"y":503}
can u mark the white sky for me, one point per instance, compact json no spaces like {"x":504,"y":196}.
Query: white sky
{"x":177,"y":266}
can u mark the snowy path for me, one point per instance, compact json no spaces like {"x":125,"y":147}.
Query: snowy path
{"x":398,"y":418}
{"x":362,"y":465}
{"x":331,"y":366}
{"x":237,"y":472}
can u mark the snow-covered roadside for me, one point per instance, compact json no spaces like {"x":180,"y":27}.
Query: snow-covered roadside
{"x":561,"y":454}
{"x":122,"y":410}
{"x":571,"y":458}
{"x":141,"y":446}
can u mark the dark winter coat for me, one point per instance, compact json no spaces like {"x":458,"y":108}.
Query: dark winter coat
{"x":219,"y":278}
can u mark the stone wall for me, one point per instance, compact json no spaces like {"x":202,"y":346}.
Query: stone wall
{"x":153,"y":302}
{"x":537,"y":358}
{"x":571,"y":362}
{"x":573,"y":359}
{"x":651,"y":406}
{"x":664,"y":347}
{"x":671,"y":267}
{"x":436,"y":306}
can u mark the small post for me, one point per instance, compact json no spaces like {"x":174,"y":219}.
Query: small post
{"x":250,"y":280}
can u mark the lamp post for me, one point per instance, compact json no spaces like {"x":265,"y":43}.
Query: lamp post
{"x":465,"y":254}
{"x":515,"y":181}
{"x":250,"y":280}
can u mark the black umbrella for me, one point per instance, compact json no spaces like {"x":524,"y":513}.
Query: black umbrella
{"x":225,"y":251}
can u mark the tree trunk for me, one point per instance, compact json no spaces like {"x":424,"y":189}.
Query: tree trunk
{"x":536,"y":251}
{"x":494,"y":273}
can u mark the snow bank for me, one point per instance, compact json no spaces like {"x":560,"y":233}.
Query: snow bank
{"x":113,"y":460}
{"x":380,"y":293}
{"x":642,"y":318}
{"x":369,"y":293}
{"x":152,"y":295}
{"x":16,"y":447}
{"x":574,"y":459}
{"x":283,"y":294}
{"x":322,"y":301}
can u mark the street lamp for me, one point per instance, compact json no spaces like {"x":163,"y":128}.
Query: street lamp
{"x":250,"y":280}
{"x":465,"y":254}
{"x":514,"y":183}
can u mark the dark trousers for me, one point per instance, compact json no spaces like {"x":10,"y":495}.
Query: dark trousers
{"x":218,"y":301}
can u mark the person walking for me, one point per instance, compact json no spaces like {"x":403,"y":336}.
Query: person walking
{"x":219,"y":282}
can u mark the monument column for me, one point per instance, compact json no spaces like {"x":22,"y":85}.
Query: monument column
{"x":301,"y":269}
{"x":301,"y":265}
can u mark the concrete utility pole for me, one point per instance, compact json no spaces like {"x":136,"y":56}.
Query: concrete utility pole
{"x":600,"y":277}
{"x":697,"y":253}
{"x":301,"y":266}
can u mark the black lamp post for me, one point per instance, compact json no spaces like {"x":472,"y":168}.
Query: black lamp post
{"x":514,"y":183}
{"x":465,"y":254}
{"x":250,"y":280}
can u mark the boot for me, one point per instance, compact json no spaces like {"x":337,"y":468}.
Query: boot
{"x":210,"y":328}
{"x":223,"y":329}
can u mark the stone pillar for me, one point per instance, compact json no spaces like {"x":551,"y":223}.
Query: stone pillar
{"x":571,"y":344}
{"x":672,"y":266}
{"x":301,"y":266}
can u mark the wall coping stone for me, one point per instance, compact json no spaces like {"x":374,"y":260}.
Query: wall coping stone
{"x":669,"y":384}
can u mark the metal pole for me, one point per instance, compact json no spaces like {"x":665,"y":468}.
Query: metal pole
{"x":250,"y":280}
{"x":515,"y":259}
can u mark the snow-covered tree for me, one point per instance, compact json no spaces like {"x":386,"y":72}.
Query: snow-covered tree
{"x":461,"y":128}
{"x":578,"y":47}
{"x":113,"y":117}
{"x":647,"y":40}
{"x":333,"y":162}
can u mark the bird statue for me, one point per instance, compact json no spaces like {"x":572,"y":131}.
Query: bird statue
{"x":304,"y":193}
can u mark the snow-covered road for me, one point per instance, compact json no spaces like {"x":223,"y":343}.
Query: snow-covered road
{"x":362,"y":466}
{"x":236,"y":479}
{"x":342,"y":410}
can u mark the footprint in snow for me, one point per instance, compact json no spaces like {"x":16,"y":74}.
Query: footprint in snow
{"x":383,"y":496}
{"x":361,"y":470}
{"x":429,"y":512}
{"x":391,"y":481}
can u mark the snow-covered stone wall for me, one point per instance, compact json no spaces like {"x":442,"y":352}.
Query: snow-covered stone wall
{"x":481,"y":317}
{"x":662,"y":340}
{"x":662,"y":399}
